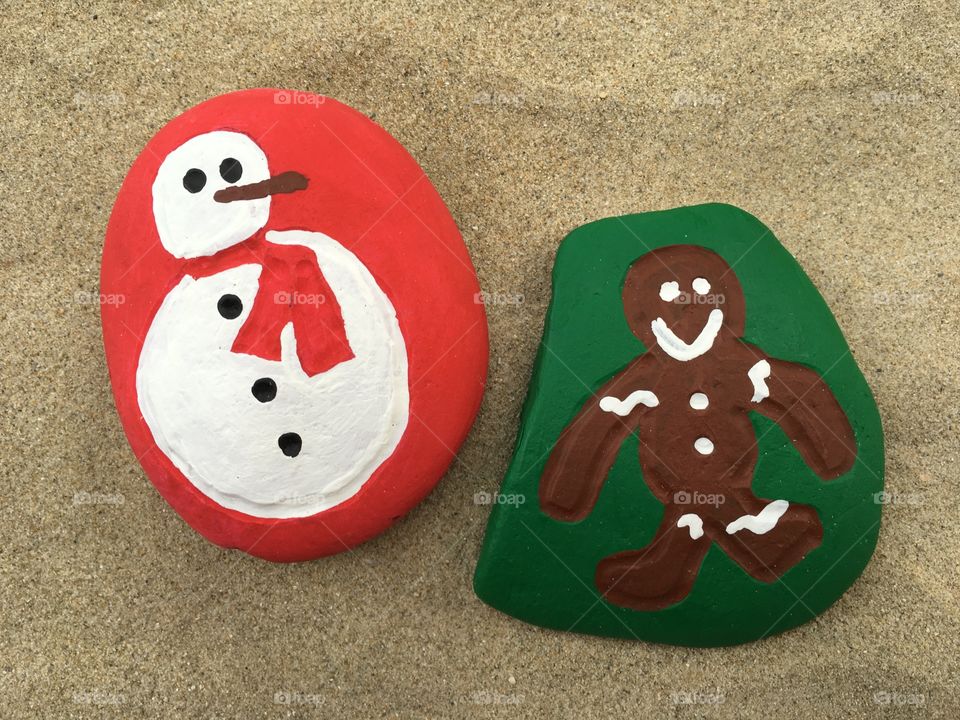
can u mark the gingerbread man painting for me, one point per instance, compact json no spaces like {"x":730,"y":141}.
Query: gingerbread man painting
{"x":688,"y":398}
{"x":699,"y":456}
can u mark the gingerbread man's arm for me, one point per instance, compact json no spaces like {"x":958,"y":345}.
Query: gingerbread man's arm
{"x":796,"y":398}
{"x":588,"y":446}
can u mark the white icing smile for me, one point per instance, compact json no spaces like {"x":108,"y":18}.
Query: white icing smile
{"x":677,"y":348}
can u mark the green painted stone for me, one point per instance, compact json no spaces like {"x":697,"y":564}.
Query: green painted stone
{"x":543,"y":570}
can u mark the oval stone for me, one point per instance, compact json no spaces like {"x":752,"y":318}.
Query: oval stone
{"x":300,"y":351}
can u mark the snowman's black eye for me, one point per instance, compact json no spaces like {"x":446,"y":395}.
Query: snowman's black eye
{"x":231,"y":170}
{"x":194,"y":180}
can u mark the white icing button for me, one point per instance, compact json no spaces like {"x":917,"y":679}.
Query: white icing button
{"x":703,"y":446}
{"x":701,"y":286}
{"x":699,"y":401}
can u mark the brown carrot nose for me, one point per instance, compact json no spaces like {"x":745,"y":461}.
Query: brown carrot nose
{"x":286,"y":182}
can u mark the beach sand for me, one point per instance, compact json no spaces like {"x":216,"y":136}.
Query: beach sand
{"x":836,"y":126}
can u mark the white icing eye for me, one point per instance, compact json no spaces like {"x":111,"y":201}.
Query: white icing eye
{"x":190,"y":222}
{"x":701,"y":286}
{"x":670,"y":291}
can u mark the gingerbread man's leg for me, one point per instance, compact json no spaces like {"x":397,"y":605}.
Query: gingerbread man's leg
{"x":663,"y":572}
{"x":765,"y":537}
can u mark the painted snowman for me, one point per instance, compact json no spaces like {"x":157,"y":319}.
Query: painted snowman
{"x":299,"y":353}
{"x":259,"y":435}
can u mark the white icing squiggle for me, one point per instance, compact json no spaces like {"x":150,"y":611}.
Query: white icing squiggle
{"x":625,"y":406}
{"x":762,"y":522}
{"x":692,"y":521}
{"x":757,"y":374}
{"x":677,"y":348}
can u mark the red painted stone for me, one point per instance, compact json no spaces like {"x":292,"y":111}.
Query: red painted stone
{"x":299,"y":352}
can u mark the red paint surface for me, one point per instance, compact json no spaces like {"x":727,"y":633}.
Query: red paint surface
{"x":369,"y":194}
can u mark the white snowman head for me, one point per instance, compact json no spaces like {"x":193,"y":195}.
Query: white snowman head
{"x":213,"y":192}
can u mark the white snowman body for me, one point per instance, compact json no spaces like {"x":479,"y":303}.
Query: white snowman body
{"x":255,"y":435}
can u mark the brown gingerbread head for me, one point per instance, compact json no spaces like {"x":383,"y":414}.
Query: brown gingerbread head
{"x":680,"y":297}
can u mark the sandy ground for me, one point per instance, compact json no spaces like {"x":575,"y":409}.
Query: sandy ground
{"x":835,"y":124}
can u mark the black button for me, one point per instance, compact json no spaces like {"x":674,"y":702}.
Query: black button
{"x":194,"y":180}
{"x":229,"y":307}
{"x":264,"y":389}
{"x":290,"y":444}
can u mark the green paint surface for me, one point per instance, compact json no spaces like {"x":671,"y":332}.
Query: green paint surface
{"x":541,"y":570}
